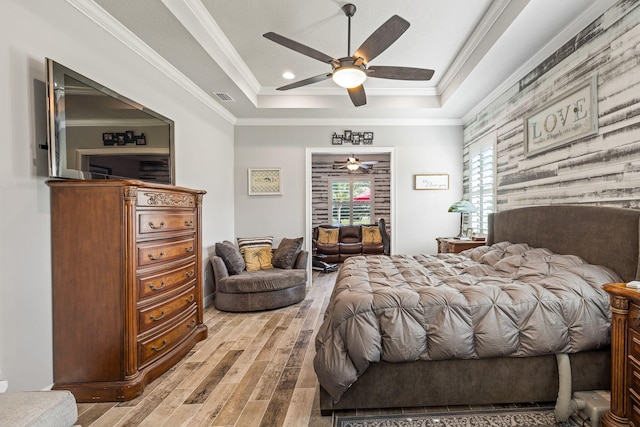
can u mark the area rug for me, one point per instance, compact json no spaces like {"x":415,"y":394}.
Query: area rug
{"x":540,"y":417}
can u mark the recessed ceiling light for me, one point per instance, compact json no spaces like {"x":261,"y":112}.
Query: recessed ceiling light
{"x":288,"y":75}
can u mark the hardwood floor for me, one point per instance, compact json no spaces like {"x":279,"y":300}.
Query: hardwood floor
{"x":254,"y":369}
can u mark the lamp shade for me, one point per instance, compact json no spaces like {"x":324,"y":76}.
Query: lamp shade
{"x":462,"y":206}
{"x":349,"y":77}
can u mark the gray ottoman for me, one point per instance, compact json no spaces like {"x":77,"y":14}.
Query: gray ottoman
{"x":38,"y":409}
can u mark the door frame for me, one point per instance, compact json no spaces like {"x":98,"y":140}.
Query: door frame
{"x":310,"y":151}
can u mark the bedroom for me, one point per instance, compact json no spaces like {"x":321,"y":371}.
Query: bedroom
{"x":219,"y":152}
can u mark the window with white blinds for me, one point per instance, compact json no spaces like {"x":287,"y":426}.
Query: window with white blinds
{"x":351,"y":201}
{"x":481,"y":183}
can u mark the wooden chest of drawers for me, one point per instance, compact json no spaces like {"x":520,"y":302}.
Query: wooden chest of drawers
{"x":127,"y":284}
{"x":625,"y":356}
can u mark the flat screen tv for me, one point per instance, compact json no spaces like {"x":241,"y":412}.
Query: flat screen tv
{"x":96,"y":133}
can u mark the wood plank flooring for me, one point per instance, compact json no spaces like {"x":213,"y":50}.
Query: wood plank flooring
{"x":254,"y":369}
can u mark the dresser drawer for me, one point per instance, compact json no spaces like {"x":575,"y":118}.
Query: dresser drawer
{"x":634,"y":408}
{"x":161,"y":343}
{"x":159,"y":314}
{"x":152,"y":222}
{"x":165,"y":250}
{"x":158,"y":284}
{"x":634,"y":317}
{"x":165,"y":199}
{"x":634,"y":346}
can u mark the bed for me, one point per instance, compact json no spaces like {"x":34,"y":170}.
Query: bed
{"x":566,"y":237}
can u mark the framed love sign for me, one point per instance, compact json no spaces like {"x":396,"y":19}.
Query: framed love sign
{"x":569,"y":117}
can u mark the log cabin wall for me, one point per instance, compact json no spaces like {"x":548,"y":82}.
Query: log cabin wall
{"x":603,"y":169}
{"x":322,"y":171}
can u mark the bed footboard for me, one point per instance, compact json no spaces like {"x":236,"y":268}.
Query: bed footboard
{"x":469,"y":382}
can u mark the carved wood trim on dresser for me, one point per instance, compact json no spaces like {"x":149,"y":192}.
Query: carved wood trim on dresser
{"x":625,"y":356}
{"x":127,"y":284}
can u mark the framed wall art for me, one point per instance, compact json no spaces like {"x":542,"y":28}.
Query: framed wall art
{"x":571,"y":116}
{"x":264,"y":182}
{"x":438,"y":181}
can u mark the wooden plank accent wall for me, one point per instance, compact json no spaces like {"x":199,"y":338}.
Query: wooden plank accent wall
{"x":602,"y":169}
{"x":322,"y":171}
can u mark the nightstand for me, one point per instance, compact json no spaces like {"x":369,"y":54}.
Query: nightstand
{"x":449,"y":245}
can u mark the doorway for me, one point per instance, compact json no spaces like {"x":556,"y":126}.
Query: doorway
{"x":329,"y":155}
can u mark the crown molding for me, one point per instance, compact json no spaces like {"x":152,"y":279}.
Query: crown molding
{"x":338,"y":91}
{"x":478,"y":36}
{"x":481,"y":40}
{"x":103,"y":19}
{"x":197,"y":20}
{"x":587,"y":17}
{"x":347,"y":122}
{"x":113,"y":122}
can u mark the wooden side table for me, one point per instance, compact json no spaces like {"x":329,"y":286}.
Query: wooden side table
{"x":449,"y":245}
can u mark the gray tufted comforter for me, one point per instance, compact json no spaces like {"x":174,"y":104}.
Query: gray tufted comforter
{"x":505,"y":300}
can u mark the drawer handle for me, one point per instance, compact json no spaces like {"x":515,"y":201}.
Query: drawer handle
{"x":153,"y":258}
{"x":156,"y":227}
{"x":191,"y":324}
{"x":189,"y":249}
{"x":188,"y":223}
{"x":190,"y":299}
{"x":155,"y":319}
{"x":636,"y":321}
{"x":189,"y":273}
{"x":156,"y":349}
{"x":153,"y":287}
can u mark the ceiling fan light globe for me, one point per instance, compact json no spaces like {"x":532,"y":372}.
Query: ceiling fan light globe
{"x":349,"y":77}
{"x":353,"y":166}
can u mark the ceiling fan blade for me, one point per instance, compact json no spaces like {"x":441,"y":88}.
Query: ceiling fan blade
{"x":382,"y":38}
{"x":339,"y":167}
{"x":363,"y":166}
{"x":357,"y":95}
{"x":400,"y":73}
{"x":305,"y":82}
{"x":370,"y":162}
{"x":298,"y":47}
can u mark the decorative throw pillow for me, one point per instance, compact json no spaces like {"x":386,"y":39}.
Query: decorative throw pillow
{"x":371,"y":234}
{"x":230,"y":256}
{"x":286,"y":253}
{"x":258,"y":258}
{"x":254,"y":242}
{"x":328,"y":236}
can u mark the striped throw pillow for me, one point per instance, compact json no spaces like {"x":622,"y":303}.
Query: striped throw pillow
{"x":254,"y":242}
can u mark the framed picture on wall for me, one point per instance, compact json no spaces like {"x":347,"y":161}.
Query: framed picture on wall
{"x":264,"y":181}
{"x":432,"y":181}
{"x":128,"y":137}
{"x":108,"y":138}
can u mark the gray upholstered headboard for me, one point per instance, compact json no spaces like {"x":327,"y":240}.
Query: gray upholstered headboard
{"x":601,"y":235}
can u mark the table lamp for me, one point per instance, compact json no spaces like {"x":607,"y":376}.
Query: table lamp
{"x":462,"y":207}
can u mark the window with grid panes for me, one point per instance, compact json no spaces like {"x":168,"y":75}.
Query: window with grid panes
{"x":481,"y":184}
{"x":351,"y":201}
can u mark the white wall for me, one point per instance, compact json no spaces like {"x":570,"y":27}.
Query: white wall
{"x":30,"y":31}
{"x":421,"y":216}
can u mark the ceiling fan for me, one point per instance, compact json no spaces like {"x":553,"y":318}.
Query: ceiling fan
{"x":351,"y":71}
{"x":353,"y":164}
